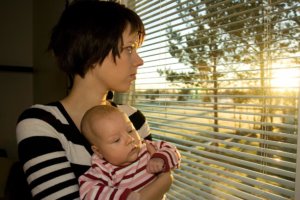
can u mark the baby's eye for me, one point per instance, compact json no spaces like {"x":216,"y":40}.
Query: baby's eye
{"x":117,"y":140}
{"x":130,"y":131}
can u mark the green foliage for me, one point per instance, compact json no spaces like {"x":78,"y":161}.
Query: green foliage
{"x":151,"y":94}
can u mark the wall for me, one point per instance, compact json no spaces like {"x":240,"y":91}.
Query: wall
{"x":16,"y":87}
{"x":49,"y":83}
{"x":16,"y":32}
{"x":24,"y":35}
{"x":16,"y":94}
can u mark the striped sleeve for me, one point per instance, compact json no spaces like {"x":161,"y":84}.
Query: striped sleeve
{"x":168,"y":153}
{"x":47,"y":169}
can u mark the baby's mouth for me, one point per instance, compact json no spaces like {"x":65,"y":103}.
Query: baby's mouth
{"x":134,"y":148}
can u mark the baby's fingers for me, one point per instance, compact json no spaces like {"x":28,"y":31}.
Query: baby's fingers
{"x":151,"y":149}
{"x":155,"y":165}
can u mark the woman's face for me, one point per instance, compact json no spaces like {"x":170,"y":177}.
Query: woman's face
{"x":117,"y":76}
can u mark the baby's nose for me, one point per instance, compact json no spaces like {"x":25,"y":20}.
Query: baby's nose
{"x":130,"y":140}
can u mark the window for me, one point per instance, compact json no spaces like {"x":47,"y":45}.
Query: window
{"x":220,"y":80}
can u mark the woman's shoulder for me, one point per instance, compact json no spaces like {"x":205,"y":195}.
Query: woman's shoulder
{"x":138,"y":119}
{"x":43,"y":111}
{"x":129,"y":110}
{"x":134,"y":114}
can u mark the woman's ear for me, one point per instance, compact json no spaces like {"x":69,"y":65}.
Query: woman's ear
{"x":96,"y":151}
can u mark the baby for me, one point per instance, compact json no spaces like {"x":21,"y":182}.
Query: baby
{"x":121,"y":163}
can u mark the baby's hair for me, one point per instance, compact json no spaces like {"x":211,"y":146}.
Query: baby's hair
{"x":95,"y":114}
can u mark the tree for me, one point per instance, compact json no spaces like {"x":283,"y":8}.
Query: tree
{"x":226,"y":32}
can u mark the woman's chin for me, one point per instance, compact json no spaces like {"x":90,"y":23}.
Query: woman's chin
{"x":121,"y":90}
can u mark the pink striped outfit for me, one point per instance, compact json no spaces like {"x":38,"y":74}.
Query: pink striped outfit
{"x":104,"y":181}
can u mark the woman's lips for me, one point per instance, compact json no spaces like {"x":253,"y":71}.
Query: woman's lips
{"x":133,"y":76}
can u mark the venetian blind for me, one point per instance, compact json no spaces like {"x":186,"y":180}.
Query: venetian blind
{"x":220,"y":81}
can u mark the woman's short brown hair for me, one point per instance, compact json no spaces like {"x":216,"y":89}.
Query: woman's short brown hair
{"x":88,"y":30}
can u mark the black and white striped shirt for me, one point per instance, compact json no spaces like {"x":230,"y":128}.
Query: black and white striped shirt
{"x":53,"y":151}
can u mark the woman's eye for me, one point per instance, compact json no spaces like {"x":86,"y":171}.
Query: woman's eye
{"x":130,"y":49}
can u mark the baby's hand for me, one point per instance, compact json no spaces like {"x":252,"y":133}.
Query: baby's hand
{"x":134,"y":196}
{"x":155,"y":165}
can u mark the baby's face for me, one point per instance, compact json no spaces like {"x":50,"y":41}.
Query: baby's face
{"x":119,"y":142}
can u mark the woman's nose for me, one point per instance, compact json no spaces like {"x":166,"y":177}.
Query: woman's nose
{"x":138,"y":60}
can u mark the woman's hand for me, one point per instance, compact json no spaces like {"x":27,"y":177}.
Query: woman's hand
{"x":134,"y":196}
{"x":157,"y":189}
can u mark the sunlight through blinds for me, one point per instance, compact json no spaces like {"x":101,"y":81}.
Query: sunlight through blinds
{"x":221,"y":81}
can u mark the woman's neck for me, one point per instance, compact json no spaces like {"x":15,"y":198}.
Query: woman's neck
{"x":82,"y":97}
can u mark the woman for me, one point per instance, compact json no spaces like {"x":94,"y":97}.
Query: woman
{"x":94,"y":42}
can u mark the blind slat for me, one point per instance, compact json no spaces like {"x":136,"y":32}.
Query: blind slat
{"x":221,"y":81}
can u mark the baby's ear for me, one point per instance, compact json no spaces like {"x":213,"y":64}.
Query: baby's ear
{"x":96,"y":151}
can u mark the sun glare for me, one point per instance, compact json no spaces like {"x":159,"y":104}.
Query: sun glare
{"x":286,"y":79}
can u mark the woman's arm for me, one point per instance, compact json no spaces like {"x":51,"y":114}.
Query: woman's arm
{"x":157,"y":189}
{"x":48,"y":170}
